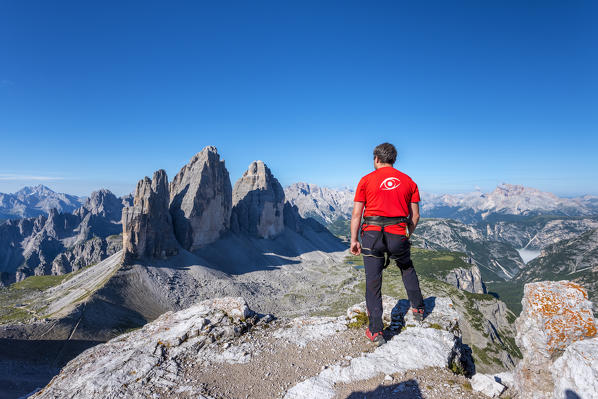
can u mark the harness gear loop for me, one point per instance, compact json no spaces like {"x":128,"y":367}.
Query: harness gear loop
{"x":382,"y":222}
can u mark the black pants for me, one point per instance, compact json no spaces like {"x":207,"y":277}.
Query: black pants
{"x":374,"y":245}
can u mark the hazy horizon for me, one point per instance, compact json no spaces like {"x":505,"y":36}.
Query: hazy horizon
{"x":122,"y":193}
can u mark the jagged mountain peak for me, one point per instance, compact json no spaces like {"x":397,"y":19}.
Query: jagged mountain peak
{"x":103,"y":202}
{"x":200,"y":200}
{"x":36,"y":200}
{"x":258,"y":202}
{"x":39,"y":189}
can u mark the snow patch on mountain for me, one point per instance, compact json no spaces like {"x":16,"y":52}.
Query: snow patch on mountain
{"x":506,"y":199}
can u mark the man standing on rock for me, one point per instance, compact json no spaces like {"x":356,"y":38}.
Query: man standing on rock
{"x":390,"y":199}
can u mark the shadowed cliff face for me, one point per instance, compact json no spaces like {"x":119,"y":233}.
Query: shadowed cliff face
{"x":60,"y":242}
{"x":200,"y":200}
{"x":147,"y":225}
{"x":258,"y":203}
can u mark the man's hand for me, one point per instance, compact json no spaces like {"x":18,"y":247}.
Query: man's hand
{"x":355,"y":247}
{"x":410,"y":227}
{"x":413,"y":217}
{"x":355,"y":222}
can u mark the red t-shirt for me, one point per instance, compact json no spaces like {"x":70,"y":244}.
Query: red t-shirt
{"x":387,"y":192}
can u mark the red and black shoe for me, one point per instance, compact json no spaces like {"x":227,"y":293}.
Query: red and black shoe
{"x":418,"y":314}
{"x":376,"y":338}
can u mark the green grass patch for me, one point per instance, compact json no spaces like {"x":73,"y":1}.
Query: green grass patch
{"x":437,"y":263}
{"x":39,"y":282}
{"x":358,"y":321}
{"x":456,"y":368}
{"x":341,"y":227}
{"x":8,"y":315}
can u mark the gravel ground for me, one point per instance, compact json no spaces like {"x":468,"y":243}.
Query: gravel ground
{"x":276,"y":365}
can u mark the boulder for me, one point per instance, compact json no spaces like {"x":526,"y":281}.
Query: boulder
{"x":575,"y":373}
{"x":555,"y":315}
{"x":466,"y":279}
{"x":147,"y":225}
{"x":258,"y":203}
{"x":487,"y":385}
{"x":201,"y":200}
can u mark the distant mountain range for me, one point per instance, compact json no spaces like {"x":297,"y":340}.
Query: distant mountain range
{"x":322,"y":203}
{"x":507,"y":202}
{"x":34,"y":201}
{"x":504,"y":203}
{"x":61,"y":242}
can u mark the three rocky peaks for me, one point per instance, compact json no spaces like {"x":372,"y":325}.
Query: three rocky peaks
{"x":199,"y":206}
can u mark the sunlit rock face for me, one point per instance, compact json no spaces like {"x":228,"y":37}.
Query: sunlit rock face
{"x":555,"y":315}
{"x":200,"y":200}
{"x":258,"y":203}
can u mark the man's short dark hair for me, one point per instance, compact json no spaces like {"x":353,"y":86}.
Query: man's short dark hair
{"x":386,"y":153}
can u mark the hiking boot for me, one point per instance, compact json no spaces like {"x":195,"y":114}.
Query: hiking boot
{"x":376,"y":338}
{"x":418,"y":314}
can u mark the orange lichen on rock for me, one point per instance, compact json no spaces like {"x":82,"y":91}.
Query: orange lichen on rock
{"x":562,"y":309}
{"x":578,"y":287}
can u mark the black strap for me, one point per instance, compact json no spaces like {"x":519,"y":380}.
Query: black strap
{"x":382,"y":222}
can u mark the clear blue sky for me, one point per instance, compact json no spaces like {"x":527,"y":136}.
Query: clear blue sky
{"x":100,"y":94}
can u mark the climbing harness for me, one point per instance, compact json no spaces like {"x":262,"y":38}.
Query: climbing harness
{"x":382,"y":222}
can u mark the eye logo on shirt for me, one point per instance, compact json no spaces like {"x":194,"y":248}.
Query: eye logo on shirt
{"x":390,"y":183}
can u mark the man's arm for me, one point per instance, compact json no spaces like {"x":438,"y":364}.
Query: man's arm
{"x":413,"y":216}
{"x":355,"y":222}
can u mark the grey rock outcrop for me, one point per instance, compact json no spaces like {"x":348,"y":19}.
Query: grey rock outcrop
{"x":86,"y":253}
{"x":258,"y":203}
{"x":147,"y":225}
{"x":487,"y":385}
{"x":123,"y":366}
{"x":576,"y":371}
{"x":556,"y":316}
{"x":466,"y":279}
{"x":201,"y":200}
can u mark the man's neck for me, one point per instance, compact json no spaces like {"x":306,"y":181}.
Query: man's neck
{"x":383,"y":165}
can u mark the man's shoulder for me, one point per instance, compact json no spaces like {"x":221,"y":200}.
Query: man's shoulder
{"x":368,"y":176}
{"x":403,"y":176}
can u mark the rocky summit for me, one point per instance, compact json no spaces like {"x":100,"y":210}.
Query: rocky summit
{"x":200,"y":200}
{"x":258,"y":203}
{"x":220,"y":348}
{"x":147,"y":225}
